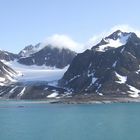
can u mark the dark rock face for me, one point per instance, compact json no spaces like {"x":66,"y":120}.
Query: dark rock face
{"x":49,"y":56}
{"x":28,"y":50}
{"x":29,"y":91}
{"x":4,"y":55}
{"x":114,"y":71}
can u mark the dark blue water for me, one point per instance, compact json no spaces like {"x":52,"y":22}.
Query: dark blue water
{"x":36,"y":121}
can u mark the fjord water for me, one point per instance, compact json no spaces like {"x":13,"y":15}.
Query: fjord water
{"x":40,"y":121}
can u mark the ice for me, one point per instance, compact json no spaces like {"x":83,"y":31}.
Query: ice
{"x":22,"y":92}
{"x":101,"y":94}
{"x":122,"y":49}
{"x":12,"y":90}
{"x":2,"y":84}
{"x":10,"y":73}
{"x":74,"y":78}
{"x":134,"y":92}
{"x":114,"y":65}
{"x":36,"y":73}
{"x":53,"y":95}
{"x":94,"y":80}
{"x":131,"y":55}
{"x":2,"y":79}
{"x":122,"y":79}
{"x":122,"y":40}
{"x":10,"y":78}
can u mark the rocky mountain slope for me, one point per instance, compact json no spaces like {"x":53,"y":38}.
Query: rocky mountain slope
{"x":112,"y":67}
{"x":40,"y":55}
{"x":7,"y":74}
{"x":28,"y":50}
{"x":109,"y":69}
{"x":7,"y":56}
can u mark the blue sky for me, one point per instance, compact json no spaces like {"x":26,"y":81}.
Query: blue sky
{"x":24,"y":22}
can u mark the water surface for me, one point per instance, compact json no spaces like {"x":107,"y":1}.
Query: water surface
{"x":38,"y":121}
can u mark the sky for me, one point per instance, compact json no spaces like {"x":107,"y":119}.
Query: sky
{"x":25,"y":22}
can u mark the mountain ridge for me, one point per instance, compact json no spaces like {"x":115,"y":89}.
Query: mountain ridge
{"x":106,"y":72}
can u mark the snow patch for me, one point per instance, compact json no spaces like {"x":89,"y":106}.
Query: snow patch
{"x":122,"y":49}
{"x":134,"y":92}
{"x":122,"y":79}
{"x":94,"y":79}
{"x":122,"y":40}
{"x":10,"y":78}
{"x":100,"y":94}
{"x":12,"y":90}
{"x":53,"y":95}
{"x":131,"y":55}
{"x":2,"y":84}
{"x":75,"y":77}
{"x":10,"y":73}
{"x":22,"y":92}
{"x":2,"y":79}
{"x":99,"y":86}
{"x":114,"y":64}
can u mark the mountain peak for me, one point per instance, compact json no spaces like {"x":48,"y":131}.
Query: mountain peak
{"x":114,"y":40}
{"x":118,"y":34}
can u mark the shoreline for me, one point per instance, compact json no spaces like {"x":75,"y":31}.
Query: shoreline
{"x":78,"y":100}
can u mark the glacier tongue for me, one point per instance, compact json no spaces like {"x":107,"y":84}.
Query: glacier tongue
{"x":36,"y":73}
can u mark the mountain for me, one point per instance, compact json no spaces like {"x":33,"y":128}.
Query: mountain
{"x":40,"y":68}
{"x":112,"y":67}
{"x":7,"y":56}
{"x":30,"y":49}
{"x":114,"y":40}
{"x":48,"y":56}
{"x":109,"y":69}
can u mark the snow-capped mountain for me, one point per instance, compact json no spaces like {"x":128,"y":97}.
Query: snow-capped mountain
{"x":48,"y":56}
{"x":37,"y":70}
{"x":110,"y":68}
{"x":114,"y":40}
{"x":30,"y":49}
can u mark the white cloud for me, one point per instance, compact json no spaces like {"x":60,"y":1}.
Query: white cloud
{"x":63,"y":41}
{"x":94,"y":40}
{"x":126,"y":28}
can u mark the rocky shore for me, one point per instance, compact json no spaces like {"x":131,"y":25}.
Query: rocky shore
{"x":81,"y":100}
